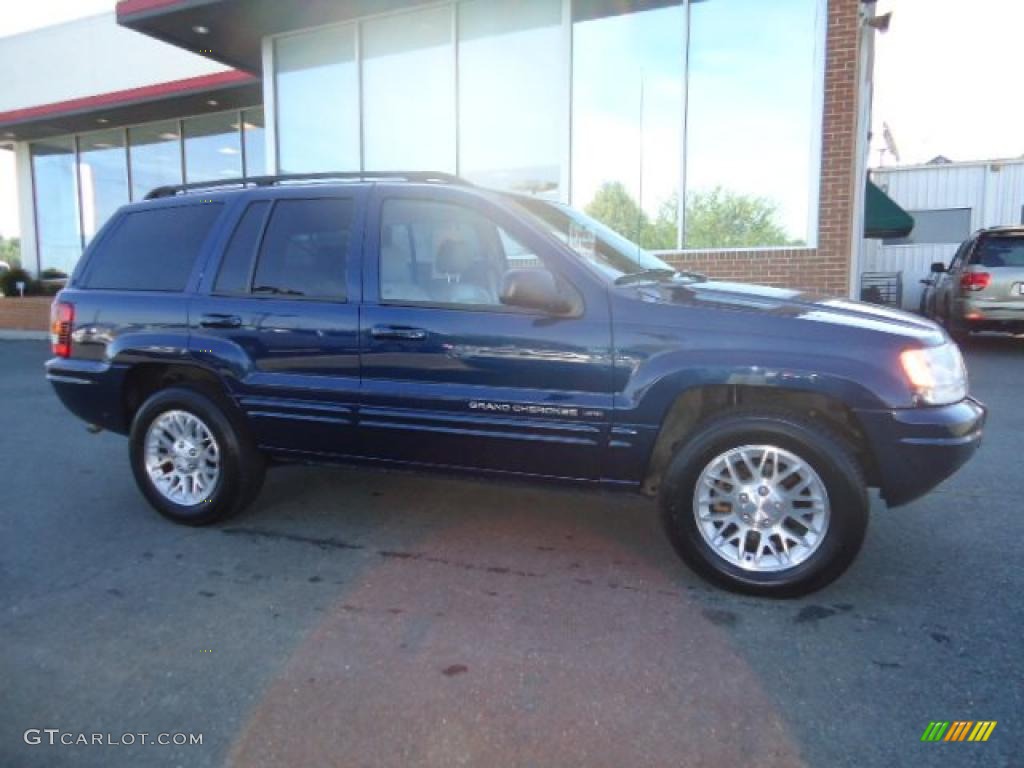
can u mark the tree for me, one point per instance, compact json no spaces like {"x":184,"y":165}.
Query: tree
{"x":719,"y":218}
{"x":10,"y":251}
{"x":613,"y":206}
{"x":716,"y":218}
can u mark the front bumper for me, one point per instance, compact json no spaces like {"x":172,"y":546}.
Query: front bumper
{"x":915,"y":449}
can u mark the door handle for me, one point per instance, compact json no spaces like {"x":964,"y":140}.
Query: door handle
{"x":215,"y":320}
{"x":398,"y":332}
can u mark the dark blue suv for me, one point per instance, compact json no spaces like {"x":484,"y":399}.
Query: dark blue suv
{"x":414,"y":320}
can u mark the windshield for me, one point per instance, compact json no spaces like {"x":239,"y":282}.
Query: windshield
{"x":601,"y":247}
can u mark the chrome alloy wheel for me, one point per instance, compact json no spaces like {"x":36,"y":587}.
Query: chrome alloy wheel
{"x":182,"y":457}
{"x":761,"y":508}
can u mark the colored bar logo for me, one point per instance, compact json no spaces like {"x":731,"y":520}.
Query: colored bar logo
{"x":958,"y":730}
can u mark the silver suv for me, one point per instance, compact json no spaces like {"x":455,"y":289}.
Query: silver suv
{"x":982,"y":289}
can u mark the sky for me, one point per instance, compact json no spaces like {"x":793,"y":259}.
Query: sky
{"x":947,"y":77}
{"x":21,"y":17}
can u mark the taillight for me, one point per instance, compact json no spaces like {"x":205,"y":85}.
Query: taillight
{"x":62,"y":317}
{"x":975,"y":281}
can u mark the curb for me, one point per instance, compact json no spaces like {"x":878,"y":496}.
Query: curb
{"x":11,"y":335}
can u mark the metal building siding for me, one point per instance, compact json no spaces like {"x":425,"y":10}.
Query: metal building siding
{"x":936,"y":187}
{"x":993,"y":191}
{"x":1005,"y":205}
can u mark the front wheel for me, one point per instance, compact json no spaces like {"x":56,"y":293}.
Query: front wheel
{"x":767,"y":503}
{"x":192,"y":457}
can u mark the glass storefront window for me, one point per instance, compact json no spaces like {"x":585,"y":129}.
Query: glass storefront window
{"x":254,"y":138}
{"x":213,"y":147}
{"x":751,"y":136}
{"x":155,"y":154}
{"x":409,"y":92}
{"x":317,"y":94}
{"x":510,"y":137}
{"x":56,"y":197}
{"x":103,"y":178}
{"x":627,"y":107}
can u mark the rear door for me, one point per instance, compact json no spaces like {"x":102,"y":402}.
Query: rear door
{"x":453,"y":377}
{"x":278,"y":316}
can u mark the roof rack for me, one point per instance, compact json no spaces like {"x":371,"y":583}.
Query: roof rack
{"x":171,"y":190}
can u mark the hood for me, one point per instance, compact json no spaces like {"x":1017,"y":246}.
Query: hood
{"x":796,"y":305}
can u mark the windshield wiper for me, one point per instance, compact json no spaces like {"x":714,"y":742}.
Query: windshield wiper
{"x":655,"y":273}
{"x":658,"y":274}
{"x":276,"y":291}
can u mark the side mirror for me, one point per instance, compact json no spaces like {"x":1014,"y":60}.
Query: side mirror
{"x":938,"y":266}
{"x":533,"y":289}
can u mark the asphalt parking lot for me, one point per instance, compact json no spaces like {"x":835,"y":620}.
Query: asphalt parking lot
{"x":365,"y":618}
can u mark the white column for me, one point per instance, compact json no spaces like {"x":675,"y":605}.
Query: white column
{"x":270,"y":107}
{"x":26,"y":207}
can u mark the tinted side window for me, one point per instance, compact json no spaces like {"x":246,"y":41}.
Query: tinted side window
{"x":152,"y":250}
{"x":958,"y":257}
{"x":236,"y":265}
{"x":305,"y":248}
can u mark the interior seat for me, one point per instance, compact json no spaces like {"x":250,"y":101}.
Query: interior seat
{"x":456,"y":262}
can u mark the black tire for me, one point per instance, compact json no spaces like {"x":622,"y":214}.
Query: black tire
{"x":242,"y":465}
{"x":827,"y":454}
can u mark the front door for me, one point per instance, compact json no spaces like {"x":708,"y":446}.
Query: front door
{"x":453,"y":377}
{"x":279,"y":316}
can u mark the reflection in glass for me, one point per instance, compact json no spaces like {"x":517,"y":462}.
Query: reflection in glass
{"x":409,"y":92}
{"x":750,"y":127}
{"x":512,"y":111}
{"x":317,"y":96}
{"x":627,"y":96}
{"x":103,"y":175}
{"x":253,"y":136}
{"x":213,"y":148}
{"x":56,"y":198}
{"x":155,"y":154}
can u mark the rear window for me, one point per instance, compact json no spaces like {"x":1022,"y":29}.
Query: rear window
{"x":152,"y":250}
{"x":1000,"y":252}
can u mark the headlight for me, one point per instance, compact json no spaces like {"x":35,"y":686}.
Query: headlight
{"x":936,"y":374}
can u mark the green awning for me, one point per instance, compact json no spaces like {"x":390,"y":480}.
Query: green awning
{"x":883,"y":216}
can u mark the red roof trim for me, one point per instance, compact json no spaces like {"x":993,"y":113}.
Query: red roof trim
{"x":131,"y":7}
{"x":130,"y":96}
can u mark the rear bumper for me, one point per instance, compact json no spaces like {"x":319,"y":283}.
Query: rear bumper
{"x":89,"y":389}
{"x":980,"y":314}
{"x":915,"y":449}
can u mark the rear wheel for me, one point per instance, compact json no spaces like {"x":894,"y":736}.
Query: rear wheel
{"x":192,"y":457}
{"x":766,"y":503}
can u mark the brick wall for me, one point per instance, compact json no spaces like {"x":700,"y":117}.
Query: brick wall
{"x":827,"y":267}
{"x":29,"y":314}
